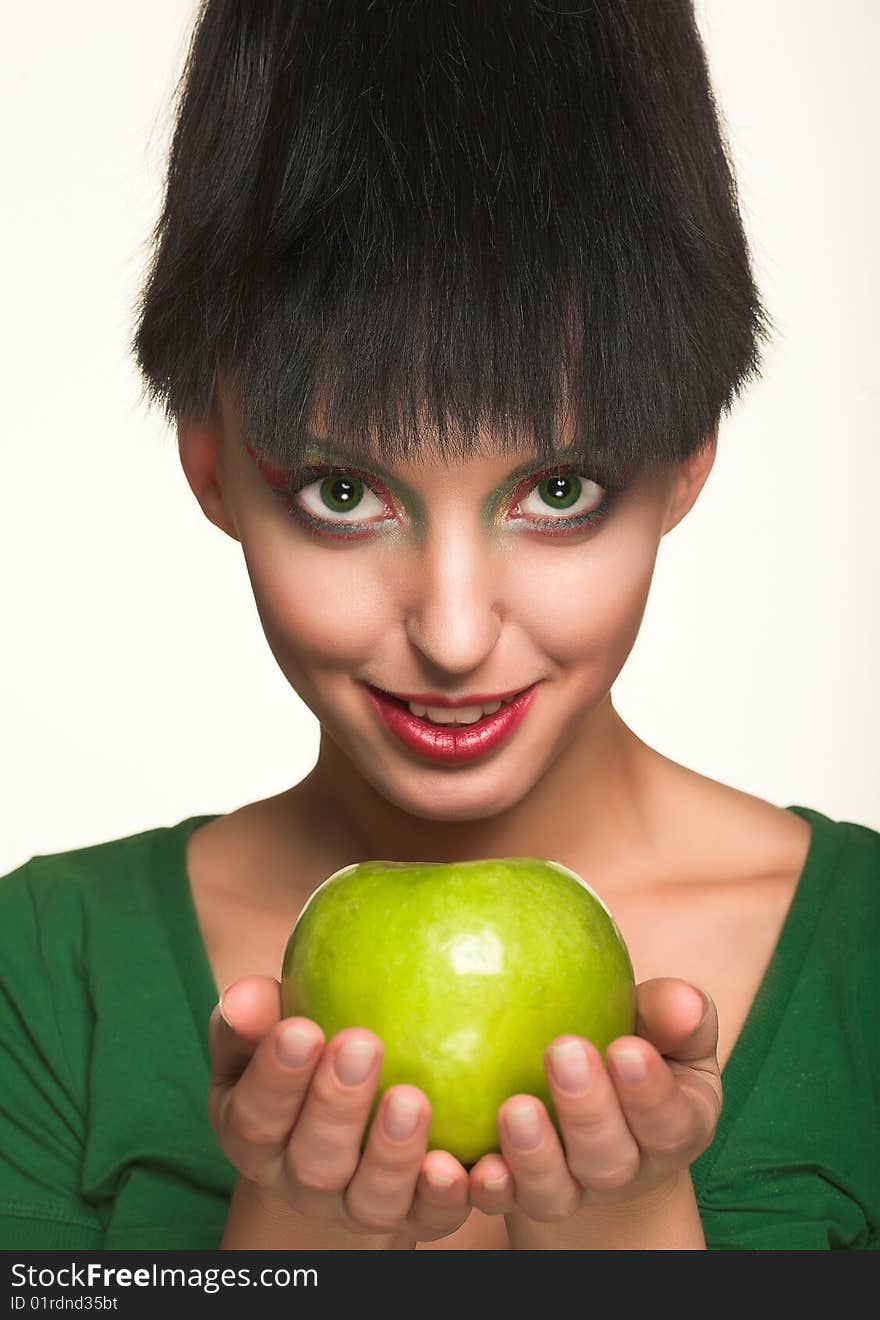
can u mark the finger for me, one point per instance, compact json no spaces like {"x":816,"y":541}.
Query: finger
{"x":325,"y":1146}
{"x":396,"y":1181}
{"x":250,"y":1008}
{"x":381,"y":1192}
{"x":543,"y":1185}
{"x":671,"y":1114}
{"x":441,"y":1204}
{"x":681,"y":1022}
{"x":601,"y":1150}
{"x":678,"y":1018}
{"x":254,"y":1116}
{"x":491,"y":1186}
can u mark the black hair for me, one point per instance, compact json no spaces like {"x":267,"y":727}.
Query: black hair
{"x":451,"y":214}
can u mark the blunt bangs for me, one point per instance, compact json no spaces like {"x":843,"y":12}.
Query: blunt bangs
{"x":441,"y":228}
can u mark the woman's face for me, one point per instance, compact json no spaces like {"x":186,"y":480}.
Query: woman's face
{"x":458,"y":580}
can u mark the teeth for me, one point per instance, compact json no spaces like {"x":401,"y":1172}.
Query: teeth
{"x":463,"y":715}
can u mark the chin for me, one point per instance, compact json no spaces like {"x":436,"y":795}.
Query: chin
{"x":455,"y":796}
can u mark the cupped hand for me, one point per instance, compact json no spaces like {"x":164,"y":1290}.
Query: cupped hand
{"x":629,"y":1129}
{"x":290,"y":1110}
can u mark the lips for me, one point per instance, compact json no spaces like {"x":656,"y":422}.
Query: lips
{"x":442,"y":742}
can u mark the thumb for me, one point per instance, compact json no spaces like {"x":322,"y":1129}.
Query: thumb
{"x":678,"y":1018}
{"x":247,"y":1011}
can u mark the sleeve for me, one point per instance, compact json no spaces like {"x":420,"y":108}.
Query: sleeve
{"x":43,"y":1124}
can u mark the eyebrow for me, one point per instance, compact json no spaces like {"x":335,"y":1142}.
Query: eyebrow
{"x":321,"y":451}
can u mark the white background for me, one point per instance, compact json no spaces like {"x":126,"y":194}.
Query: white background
{"x":137,"y":686}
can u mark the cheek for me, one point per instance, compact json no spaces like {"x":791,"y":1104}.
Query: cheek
{"x":596,"y":598}
{"x":313,"y":607}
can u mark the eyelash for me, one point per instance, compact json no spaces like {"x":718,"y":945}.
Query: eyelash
{"x":340,"y":531}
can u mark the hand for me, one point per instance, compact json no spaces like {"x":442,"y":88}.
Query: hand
{"x":626,"y":1141}
{"x":297,"y":1130}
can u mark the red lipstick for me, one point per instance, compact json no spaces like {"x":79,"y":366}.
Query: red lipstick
{"x":450,"y":746}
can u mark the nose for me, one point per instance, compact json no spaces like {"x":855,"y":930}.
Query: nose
{"x":453,"y":598}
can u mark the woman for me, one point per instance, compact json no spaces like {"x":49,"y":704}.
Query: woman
{"x":447,"y":304}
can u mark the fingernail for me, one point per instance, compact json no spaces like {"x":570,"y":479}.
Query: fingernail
{"x":295,"y":1047}
{"x":354,"y":1061}
{"x":704,"y":1003}
{"x":524,"y":1126}
{"x":629,"y":1065}
{"x":222,"y":1010}
{"x":570,"y":1067}
{"x":438,"y":1182}
{"x":401,"y":1116}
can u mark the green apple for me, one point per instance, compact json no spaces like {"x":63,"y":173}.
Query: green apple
{"x":466,"y":971}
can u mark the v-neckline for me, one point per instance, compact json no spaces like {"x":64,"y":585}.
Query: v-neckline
{"x":767,"y":1009}
{"x":181,"y":922}
{"x":744,"y":1062}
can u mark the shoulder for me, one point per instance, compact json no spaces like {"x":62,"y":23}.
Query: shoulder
{"x":762,"y":854}
{"x":848,"y":853}
{"x":863,"y":847}
{"x":45,"y":877}
{"x":846,"y":862}
{"x":837,"y":918}
{"x":51,"y":896}
{"x":79,"y":925}
{"x":719,"y":833}
{"x":801,"y":847}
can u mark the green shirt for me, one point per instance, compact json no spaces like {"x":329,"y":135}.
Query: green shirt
{"x":106,"y":990}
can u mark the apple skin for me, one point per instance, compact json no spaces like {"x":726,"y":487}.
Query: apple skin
{"x":466,"y":971}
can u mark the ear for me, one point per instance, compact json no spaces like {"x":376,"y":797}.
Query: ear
{"x":199,"y":446}
{"x":688,"y":480}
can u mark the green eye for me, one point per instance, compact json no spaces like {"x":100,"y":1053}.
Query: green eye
{"x":341,"y":493}
{"x":560,"y":492}
{"x":318,"y":492}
